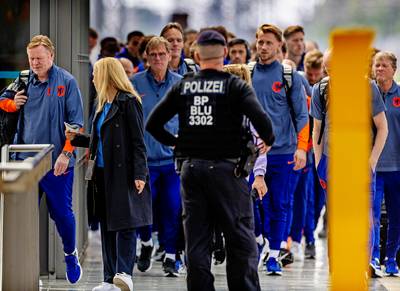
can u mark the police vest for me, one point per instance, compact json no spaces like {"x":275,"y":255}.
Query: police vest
{"x":209,"y":122}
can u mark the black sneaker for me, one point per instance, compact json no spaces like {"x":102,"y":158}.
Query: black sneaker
{"x":169,"y":268}
{"x":309,"y":252}
{"x":285,"y":257}
{"x":219,"y":256}
{"x":144,"y":262}
{"x":160,"y":254}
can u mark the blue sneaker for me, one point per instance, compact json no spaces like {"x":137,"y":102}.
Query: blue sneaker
{"x":391,"y":268}
{"x":375,"y":268}
{"x":273,"y":267}
{"x":74,"y":269}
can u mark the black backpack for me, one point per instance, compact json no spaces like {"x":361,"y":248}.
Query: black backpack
{"x":323,"y":87}
{"x":9,"y":120}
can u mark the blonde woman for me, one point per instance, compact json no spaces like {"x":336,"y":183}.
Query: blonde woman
{"x":117,"y":153}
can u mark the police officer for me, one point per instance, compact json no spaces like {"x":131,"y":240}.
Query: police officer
{"x":210,"y":106}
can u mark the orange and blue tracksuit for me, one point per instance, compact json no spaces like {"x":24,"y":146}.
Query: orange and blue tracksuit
{"x":49,"y":105}
{"x":290,"y":135}
{"x":388,"y":178}
{"x":302,"y":196}
{"x":378,"y":106}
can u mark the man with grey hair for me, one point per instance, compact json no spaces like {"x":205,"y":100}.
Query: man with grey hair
{"x":211,"y":106}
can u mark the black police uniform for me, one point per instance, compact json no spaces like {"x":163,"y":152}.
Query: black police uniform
{"x":210,"y":106}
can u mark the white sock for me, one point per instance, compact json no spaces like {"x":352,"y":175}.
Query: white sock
{"x":283,"y":245}
{"x":169,"y":256}
{"x":260,"y":240}
{"x":274,"y":253}
{"x":75,"y":252}
{"x":295,"y":244}
{"x":148,"y":243}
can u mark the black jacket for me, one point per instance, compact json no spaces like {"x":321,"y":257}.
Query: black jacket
{"x":124,"y":155}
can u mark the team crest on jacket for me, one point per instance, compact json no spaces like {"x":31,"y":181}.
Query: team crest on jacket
{"x":60,"y":91}
{"x":277,"y":86}
{"x":396,"y":101}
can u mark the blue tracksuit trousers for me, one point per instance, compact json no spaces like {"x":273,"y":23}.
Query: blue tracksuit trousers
{"x":388,"y":187}
{"x":58,"y":191}
{"x":276,"y":202}
{"x":164,"y":184}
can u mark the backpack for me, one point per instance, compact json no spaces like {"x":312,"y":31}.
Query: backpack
{"x":323,"y":99}
{"x":9,"y":120}
{"x":191,"y":65}
{"x":287,"y":77}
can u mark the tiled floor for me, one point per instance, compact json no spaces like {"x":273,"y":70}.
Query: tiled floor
{"x":307,"y":275}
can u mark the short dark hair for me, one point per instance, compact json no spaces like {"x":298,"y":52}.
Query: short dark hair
{"x":143,"y":44}
{"x":290,"y":30}
{"x":237,"y":41}
{"x":171,"y":25}
{"x":93,"y":33}
{"x":109,"y":46}
{"x":133,"y":34}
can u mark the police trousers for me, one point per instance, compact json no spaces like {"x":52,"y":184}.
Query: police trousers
{"x":211,"y":196}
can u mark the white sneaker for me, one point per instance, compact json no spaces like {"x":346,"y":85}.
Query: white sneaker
{"x":106,"y":287}
{"x":123,"y":281}
{"x":297,"y":251}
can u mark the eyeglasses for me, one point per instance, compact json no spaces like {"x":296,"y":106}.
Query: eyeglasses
{"x":162,"y":55}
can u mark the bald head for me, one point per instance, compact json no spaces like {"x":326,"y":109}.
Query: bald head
{"x":128,"y":66}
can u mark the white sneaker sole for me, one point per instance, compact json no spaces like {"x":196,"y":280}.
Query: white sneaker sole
{"x":270,"y":273}
{"x":119,"y":283}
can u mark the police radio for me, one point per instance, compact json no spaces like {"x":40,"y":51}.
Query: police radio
{"x":249,"y":151}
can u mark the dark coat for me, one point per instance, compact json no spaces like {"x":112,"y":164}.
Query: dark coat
{"x":124,"y":155}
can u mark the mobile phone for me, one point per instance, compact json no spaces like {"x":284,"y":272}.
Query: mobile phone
{"x":72,"y":127}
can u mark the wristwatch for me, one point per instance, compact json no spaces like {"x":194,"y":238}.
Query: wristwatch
{"x":67,"y":154}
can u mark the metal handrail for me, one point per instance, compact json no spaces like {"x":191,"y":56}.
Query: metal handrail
{"x":16,"y":173}
{"x":22,"y":166}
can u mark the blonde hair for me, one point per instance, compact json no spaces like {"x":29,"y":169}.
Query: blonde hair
{"x":41,"y":40}
{"x":240,"y":70}
{"x":157,"y":41}
{"x":111,"y":74}
{"x":313,"y":59}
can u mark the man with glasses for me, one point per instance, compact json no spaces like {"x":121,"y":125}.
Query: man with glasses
{"x":152,"y":85}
